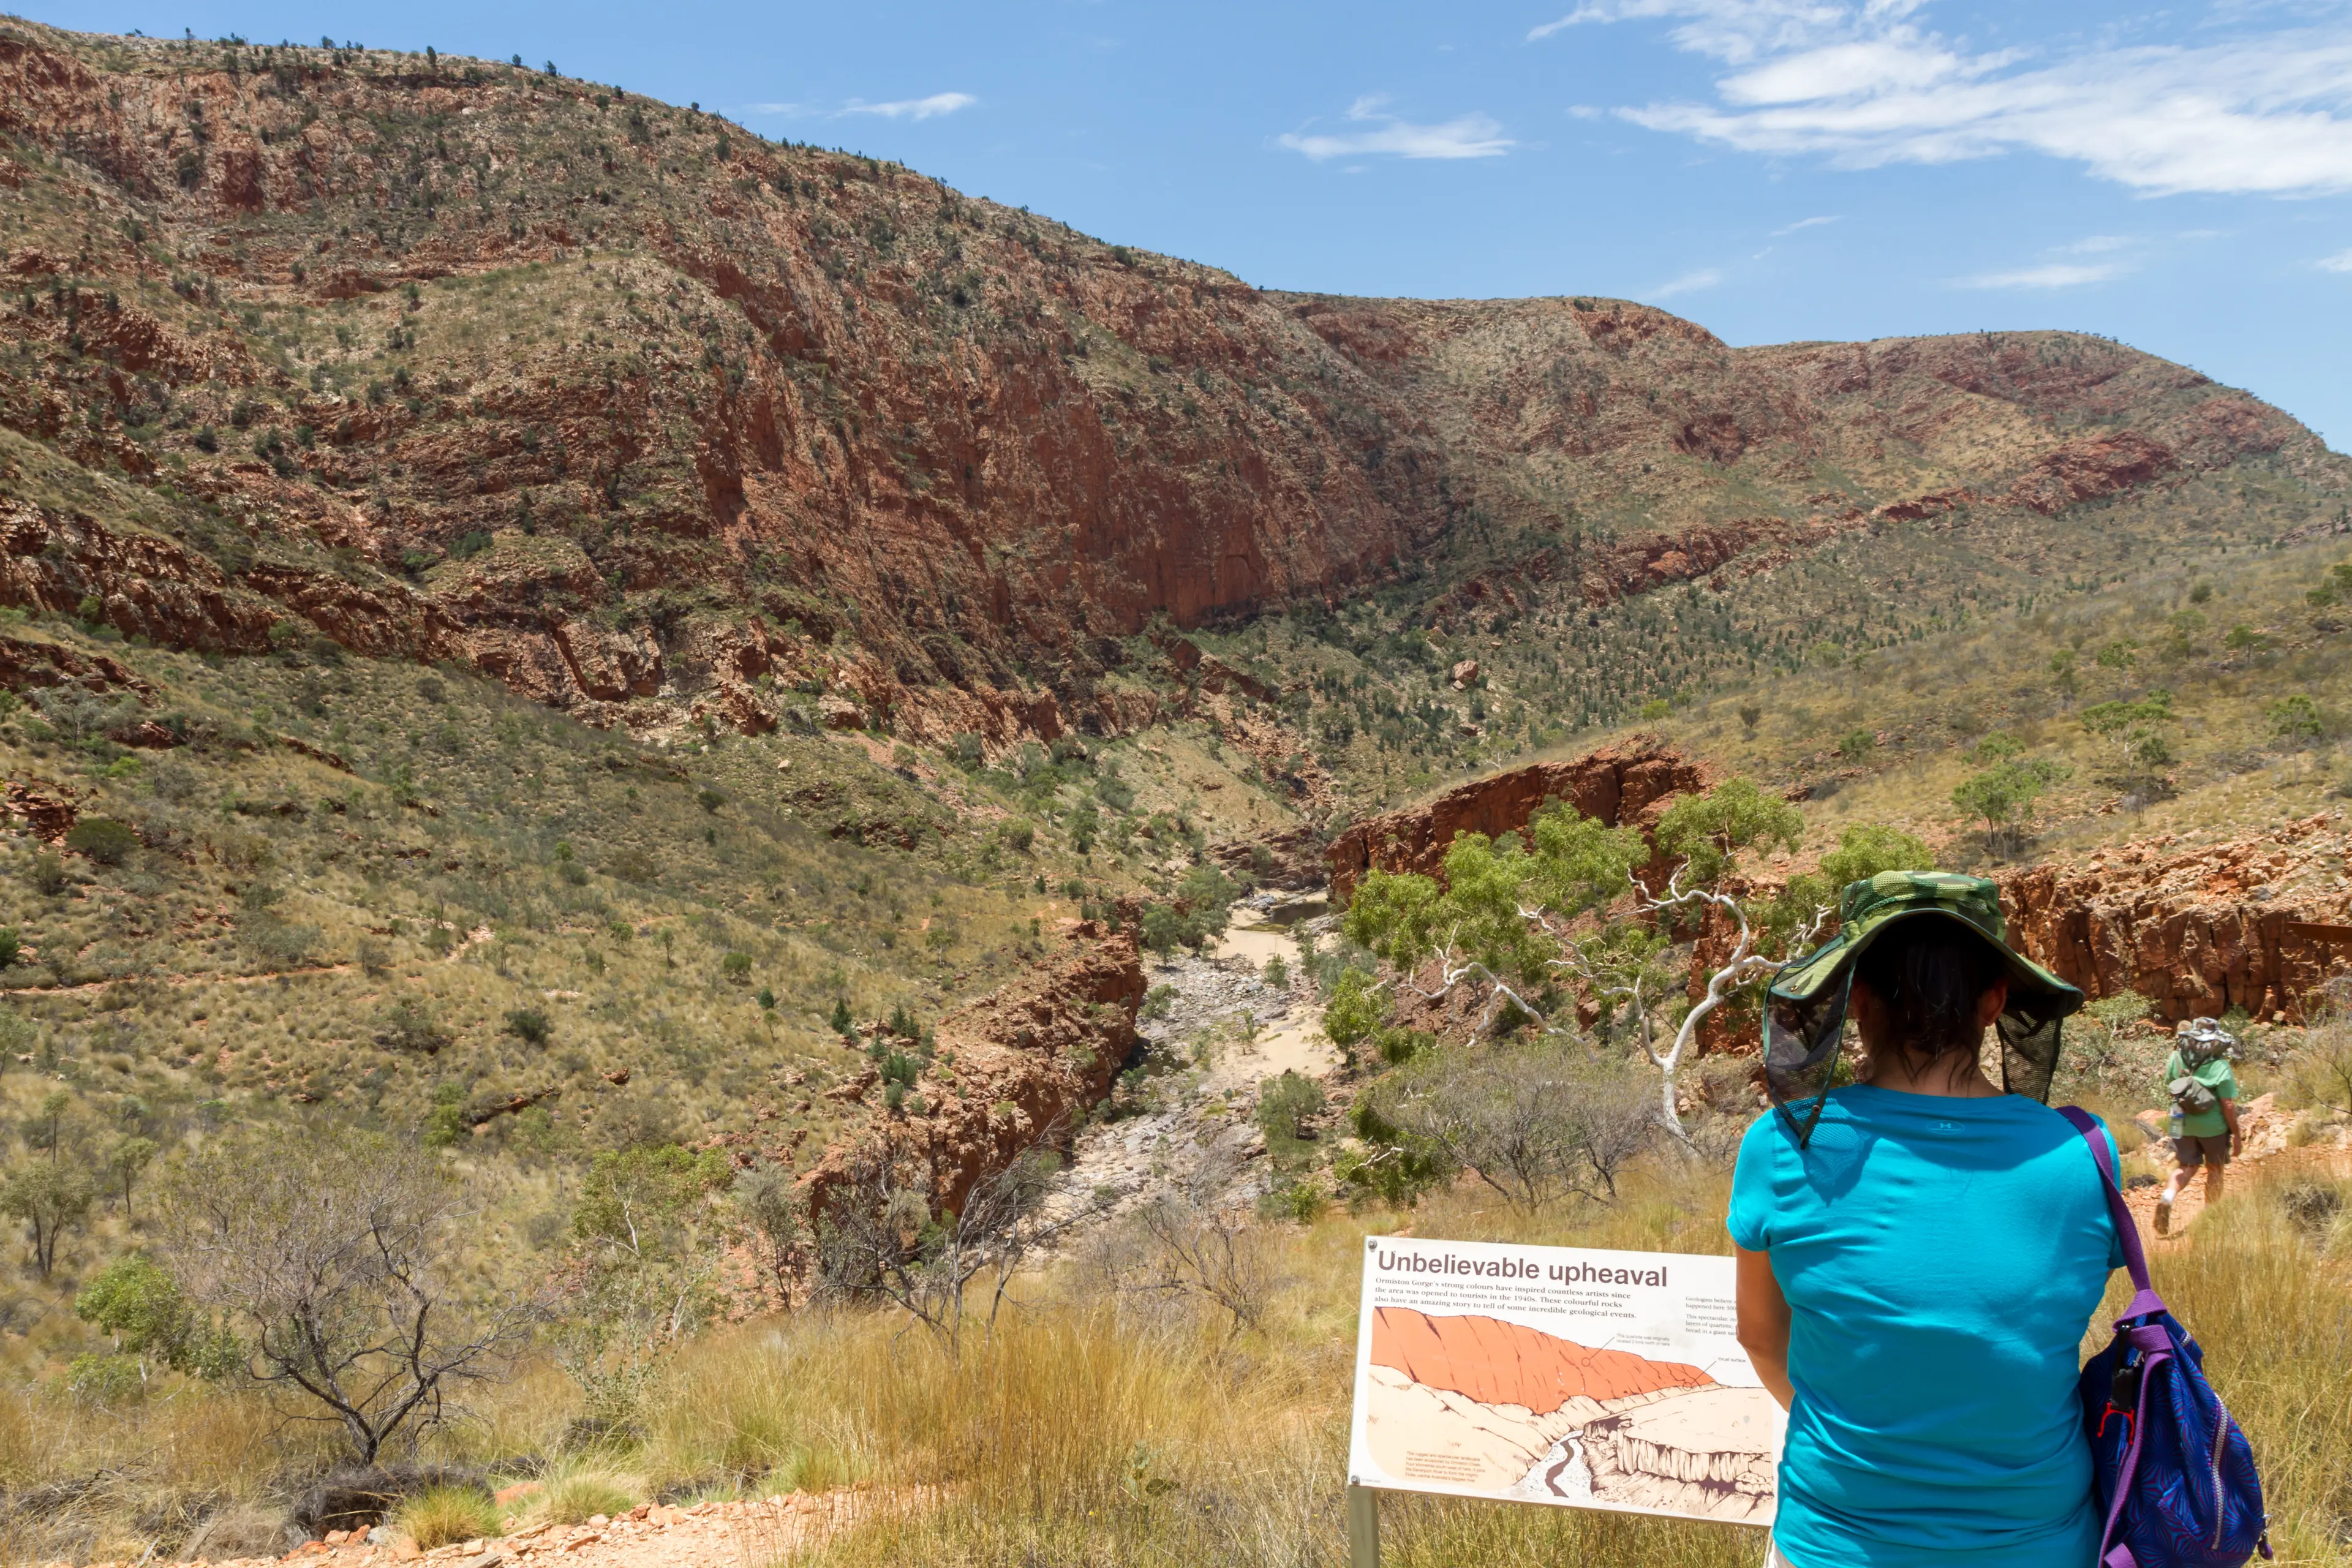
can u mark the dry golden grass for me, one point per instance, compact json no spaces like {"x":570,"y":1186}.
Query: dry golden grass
{"x":1076,"y":1435}
{"x":1043,"y":1443}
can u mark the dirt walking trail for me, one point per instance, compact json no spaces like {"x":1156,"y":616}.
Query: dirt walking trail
{"x":2264,"y":1125}
{"x":750,"y":1534}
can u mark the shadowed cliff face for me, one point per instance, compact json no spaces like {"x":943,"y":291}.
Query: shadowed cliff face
{"x":653,"y":419}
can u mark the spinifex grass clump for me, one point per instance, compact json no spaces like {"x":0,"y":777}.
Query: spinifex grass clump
{"x":576,"y":1493}
{"x":442,"y":1516}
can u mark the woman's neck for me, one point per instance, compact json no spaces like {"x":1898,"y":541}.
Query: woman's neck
{"x":1942,"y":1076}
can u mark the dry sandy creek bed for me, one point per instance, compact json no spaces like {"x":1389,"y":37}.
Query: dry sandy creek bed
{"x":1232,"y":1031}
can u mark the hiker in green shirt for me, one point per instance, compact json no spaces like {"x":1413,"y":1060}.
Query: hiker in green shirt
{"x":2204,"y":1095}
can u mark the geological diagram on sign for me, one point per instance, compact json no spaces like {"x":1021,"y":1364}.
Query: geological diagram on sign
{"x":1494,"y":1406}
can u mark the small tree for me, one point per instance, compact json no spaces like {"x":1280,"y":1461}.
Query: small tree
{"x":2134,"y":732}
{"x":45,"y":1126}
{"x":1530,"y":1122}
{"x":149,"y":1317}
{"x":1502,"y":918}
{"x":2294,"y":719}
{"x":50,"y":1196}
{"x":2003,"y":795}
{"x":1189,"y":1243}
{"x":125,"y":1163}
{"x":639,"y":1277}
{"x":329,"y":1259}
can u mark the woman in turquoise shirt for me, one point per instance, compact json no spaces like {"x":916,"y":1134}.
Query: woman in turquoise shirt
{"x":1919,"y":1250}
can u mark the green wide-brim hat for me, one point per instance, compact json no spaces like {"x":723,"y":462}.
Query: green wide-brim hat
{"x":1804,"y":1013}
{"x":1875,"y":904}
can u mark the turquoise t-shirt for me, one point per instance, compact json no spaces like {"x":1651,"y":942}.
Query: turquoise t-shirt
{"x":1941,"y":1258}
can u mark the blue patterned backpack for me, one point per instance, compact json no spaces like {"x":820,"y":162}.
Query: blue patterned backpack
{"x":2172,"y":1475}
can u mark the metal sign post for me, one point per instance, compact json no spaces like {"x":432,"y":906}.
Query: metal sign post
{"x":1363,"y":1527}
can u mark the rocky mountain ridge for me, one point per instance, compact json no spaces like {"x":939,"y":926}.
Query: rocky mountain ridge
{"x":657,"y":421}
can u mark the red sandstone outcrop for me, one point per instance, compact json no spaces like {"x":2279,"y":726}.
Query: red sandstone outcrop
{"x":1497,"y":1362}
{"x":50,"y":810}
{"x":2082,"y":470}
{"x":2194,"y":931}
{"x":1026,"y":1056}
{"x":28,"y":664}
{"x":1620,"y":785}
{"x":1291,"y":859}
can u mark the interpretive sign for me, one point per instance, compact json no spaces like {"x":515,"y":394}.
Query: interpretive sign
{"x":1560,"y":1375}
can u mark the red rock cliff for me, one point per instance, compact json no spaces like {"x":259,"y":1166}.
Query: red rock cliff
{"x":1619,"y":785}
{"x":2194,"y":931}
{"x":653,"y":418}
{"x":1026,"y":1056}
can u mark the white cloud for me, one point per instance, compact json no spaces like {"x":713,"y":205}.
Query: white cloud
{"x":938,"y":103}
{"x":1688,"y":284}
{"x":2053,"y":275}
{"x":915,"y":107}
{"x":1467,"y":136}
{"x":2096,"y":245}
{"x":2339,"y":262}
{"x":1733,"y":31}
{"x":1860,"y":83}
{"x":1802,"y":222}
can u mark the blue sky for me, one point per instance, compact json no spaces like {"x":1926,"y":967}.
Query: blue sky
{"x":2179,"y":178}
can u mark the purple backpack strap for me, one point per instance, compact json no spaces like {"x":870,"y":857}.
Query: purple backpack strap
{"x":2136,"y":1326}
{"x":2134,"y":1256}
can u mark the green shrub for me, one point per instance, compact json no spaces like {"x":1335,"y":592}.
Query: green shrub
{"x":103,"y":839}
{"x":528,"y":1024}
{"x":1358,"y":1007}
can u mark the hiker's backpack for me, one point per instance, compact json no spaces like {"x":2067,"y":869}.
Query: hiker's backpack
{"x":2171,"y":1474}
{"x":2192,"y":1096}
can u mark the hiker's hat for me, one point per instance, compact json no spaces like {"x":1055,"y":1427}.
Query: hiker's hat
{"x":1804,"y":1006}
{"x":2204,"y":1040}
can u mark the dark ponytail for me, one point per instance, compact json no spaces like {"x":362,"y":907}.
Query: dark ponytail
{"x":1931,"y":972}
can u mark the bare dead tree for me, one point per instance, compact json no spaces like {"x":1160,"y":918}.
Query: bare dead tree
{"x":327,"y":1257}
{"x":1190,"y":1243}
{"x":879,"y":1236}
